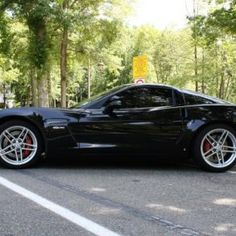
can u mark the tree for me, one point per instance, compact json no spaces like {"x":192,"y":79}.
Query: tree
{"x":83,"y":16}
{"x":35,"y":13}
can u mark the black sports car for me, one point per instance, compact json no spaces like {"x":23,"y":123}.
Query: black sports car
{"x":157,"y":120}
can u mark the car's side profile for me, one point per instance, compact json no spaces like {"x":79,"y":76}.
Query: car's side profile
{"x":159,"y":120}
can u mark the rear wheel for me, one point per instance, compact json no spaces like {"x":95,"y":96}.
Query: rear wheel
{"x":215,"y":148}
{"x":20,"y":144}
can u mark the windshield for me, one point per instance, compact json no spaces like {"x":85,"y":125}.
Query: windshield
{"x":98,"y":96}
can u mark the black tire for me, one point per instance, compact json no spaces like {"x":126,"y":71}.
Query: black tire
{"x":198,"y":157}
{"x":33,"y":156}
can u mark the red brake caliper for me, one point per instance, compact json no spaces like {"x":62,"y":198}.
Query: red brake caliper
{"x":28,"y":141}
{"x":206,"y":146}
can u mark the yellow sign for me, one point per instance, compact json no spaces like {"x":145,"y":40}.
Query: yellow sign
{"x":140,"y":67}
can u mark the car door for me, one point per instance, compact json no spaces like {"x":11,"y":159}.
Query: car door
{"x":145,"y":122}
{"x":154,"y":122}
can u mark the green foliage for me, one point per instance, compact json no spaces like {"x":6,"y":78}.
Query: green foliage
{"x":214,"y":34}
{"x":102,"y":45}
{"x":5,"y":35}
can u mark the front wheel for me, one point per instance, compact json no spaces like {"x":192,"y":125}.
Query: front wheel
{"x":215,"y":148}
{"x":20,"y":144}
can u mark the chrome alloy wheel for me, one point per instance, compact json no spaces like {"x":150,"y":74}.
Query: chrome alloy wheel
{"x":18,"y":145}
{"x":218,"y":148}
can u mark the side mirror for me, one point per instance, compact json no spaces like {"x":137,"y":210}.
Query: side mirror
{"x":113,"y":103}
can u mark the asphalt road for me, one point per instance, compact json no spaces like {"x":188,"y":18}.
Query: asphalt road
{"x":125,"y":198}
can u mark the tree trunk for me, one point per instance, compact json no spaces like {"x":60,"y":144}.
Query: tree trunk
{"x":222,"y":87}
{"x":34,"y":85}
{"x":223,"y":75}
{"x":4,"y":96}
{"x":89,"y":78}
{"x":156,"y":72}
{"x":43,"y":90}
{"x":49,"y":87}
{"x":216,"y":73}
{"x":63,"y":60}
{"x":227,"y":92}
{"x":196,"y":67}
{"x":41,"y":39}
{"x":203,"y":71}
{"x":195,"y":13}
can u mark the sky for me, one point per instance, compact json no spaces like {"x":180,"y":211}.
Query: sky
{"x":162,"y":13}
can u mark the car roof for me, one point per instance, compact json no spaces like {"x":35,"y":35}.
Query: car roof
{"x":133,"y":85}
{"x":152,"y":84}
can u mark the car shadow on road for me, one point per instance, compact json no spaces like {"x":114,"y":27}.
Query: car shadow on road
{"x":128,"y":163}
{"x":117,"y":163}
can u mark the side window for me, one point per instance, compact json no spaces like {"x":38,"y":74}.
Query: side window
{"x":179,"y":98}
{"x":194,"y":100}
{"x":146,"y":97}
